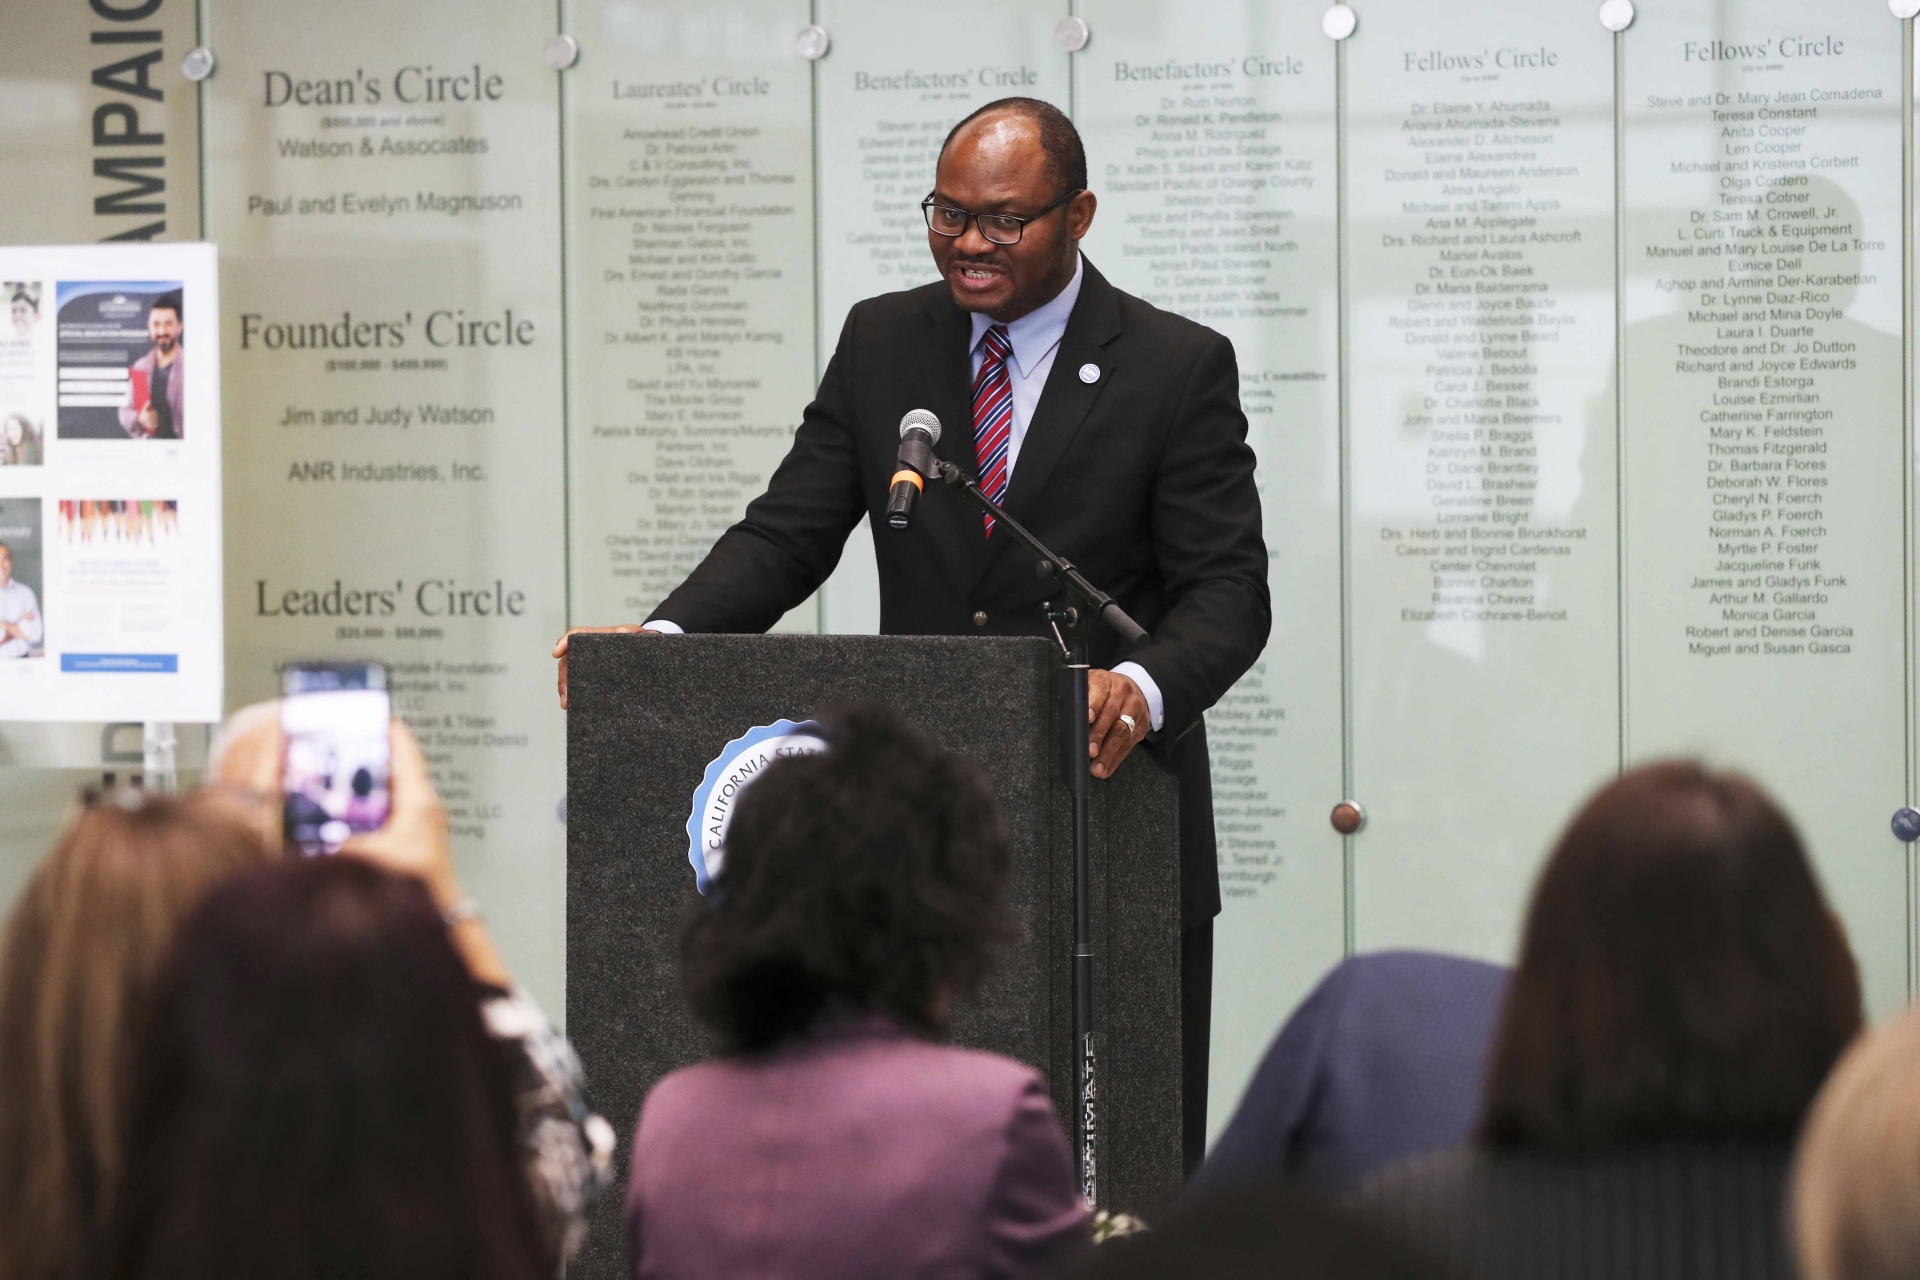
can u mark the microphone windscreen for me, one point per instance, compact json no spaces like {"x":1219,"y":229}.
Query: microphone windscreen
{"x":924,"y":419}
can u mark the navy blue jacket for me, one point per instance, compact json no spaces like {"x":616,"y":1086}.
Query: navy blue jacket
{"x":1384,"y":1060}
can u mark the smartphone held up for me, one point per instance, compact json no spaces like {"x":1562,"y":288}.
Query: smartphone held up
{"x":334,"y":717}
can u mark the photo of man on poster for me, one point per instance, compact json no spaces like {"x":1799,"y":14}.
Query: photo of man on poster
{"x":153,"y":410}
{"x":21,"y":626}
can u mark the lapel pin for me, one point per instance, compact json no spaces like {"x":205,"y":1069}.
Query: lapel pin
{"x":1089,"y":373}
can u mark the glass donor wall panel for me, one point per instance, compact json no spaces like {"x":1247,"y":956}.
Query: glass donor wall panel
{"x":1567,"y":461}
{"x":1210,"y":141}
{"x":690,"y":277}
{"x":892,"y":85}
{"x":99,"y":131}
{"x":1763,"y":441}
{"x":383,"y":182}
{"x":1483,"y":581}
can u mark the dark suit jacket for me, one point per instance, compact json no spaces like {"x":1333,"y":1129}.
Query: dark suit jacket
{"x":1384,"y":1060}
{"x":1681,"y":1210}
{"x":1142,"y":478}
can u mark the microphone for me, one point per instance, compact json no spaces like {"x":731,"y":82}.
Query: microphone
{"x":919,"y":432}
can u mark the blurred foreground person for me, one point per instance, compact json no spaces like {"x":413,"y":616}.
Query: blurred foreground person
{"x":1383,"y":1061}
{"x":566,"y":1150}
{"x":317,"y":1095}
{"x":861,"y":895}
{"x":1269,"y":1232}
{"x":1856,"y":1180}
{"x":82,"y":949}
{"x":1682,"y":990}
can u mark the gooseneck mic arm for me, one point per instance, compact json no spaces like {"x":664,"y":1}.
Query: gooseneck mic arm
{"x":1069,"y":623}
{"x":1097,"y":602}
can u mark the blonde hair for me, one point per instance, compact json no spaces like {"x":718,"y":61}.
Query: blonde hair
{"x":1856,"y":1179}
{"x":77,"y":962}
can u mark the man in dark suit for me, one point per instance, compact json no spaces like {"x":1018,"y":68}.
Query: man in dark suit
{"x":1109,"y":428}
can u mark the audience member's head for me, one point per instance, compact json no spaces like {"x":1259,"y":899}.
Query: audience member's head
{"x":81,"y":952}
{"x":316,"y":1095}
{"x":868,"y":877}
{"x":1272,"y":1232}
{"x":1856,"y":1180}
{"x":1681,"y":974}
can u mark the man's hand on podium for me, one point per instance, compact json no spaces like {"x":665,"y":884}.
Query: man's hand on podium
{"x":560,"y":649}
{"x":1109,"y":697}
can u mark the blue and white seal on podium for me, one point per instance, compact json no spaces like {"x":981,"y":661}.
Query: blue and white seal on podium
{"x":738,"y":763}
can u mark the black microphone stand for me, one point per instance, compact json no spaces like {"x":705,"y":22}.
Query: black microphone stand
{"x":1070,"y":616}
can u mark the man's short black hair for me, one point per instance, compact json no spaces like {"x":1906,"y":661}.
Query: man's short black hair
{"x":1066,"y":155}
{"x":168,"y":302}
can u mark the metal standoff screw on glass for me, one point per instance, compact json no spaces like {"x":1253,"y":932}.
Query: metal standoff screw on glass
{"x":198,"y":64}
{"x":1071,"y":35}
{"x":1348,"y":817}
{"x":1616,"y":15}
{"x":1338,"y":22}
{"x":561,"y":52}
{"x":813,"y":42}
{"x":1906,"y":824}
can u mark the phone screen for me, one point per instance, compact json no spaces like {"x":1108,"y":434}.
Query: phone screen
{"x":334,"y":717}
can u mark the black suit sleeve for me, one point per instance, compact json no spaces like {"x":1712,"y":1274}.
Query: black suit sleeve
{"x":792,"y":535}
{"x":1206,"y":535}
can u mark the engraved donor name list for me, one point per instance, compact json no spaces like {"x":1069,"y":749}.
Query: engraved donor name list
{"x":1778,"y":394}
{"x":693,"y":296}
{"x":1482,"y":320}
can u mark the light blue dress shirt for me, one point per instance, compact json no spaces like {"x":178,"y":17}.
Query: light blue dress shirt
{"x":1035,"y":338}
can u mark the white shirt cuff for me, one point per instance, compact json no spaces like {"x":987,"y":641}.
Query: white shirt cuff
{"x":664,"y":627}
{"x":1156,"y":705}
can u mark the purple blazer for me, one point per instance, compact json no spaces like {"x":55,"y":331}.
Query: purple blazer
{"x":857,"y":1151}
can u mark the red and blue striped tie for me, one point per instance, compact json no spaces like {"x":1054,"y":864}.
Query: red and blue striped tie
{"x":993,"y":416}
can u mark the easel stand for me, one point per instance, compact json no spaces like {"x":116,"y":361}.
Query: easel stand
{"x":1070,"y":616}
{"x":159,"y":751}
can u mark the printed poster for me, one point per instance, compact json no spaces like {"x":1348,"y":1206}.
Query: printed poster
{"x":110,"y":528}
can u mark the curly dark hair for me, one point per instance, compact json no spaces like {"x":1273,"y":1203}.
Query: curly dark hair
{"x":871,"y":875}
{"x":1681,"y":974}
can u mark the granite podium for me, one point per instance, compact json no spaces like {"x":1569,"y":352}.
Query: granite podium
{"x":649,"y":713}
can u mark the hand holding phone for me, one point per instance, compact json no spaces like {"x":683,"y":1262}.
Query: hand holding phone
{"x":248,"y":767}
{"x":337,"y":761}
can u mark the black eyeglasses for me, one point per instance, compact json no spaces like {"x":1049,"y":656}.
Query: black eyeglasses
{"x":998,"y":228}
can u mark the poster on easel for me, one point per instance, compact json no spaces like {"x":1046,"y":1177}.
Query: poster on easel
{"x":110,"y":582}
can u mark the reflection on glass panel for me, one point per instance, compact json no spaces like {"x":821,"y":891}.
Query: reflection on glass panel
{"x":897,"y":79}
{"x":1210,"y":140}
{"x":1484,"y":587}
{"x":99,"y":131}
{"x":690,"y":278}
{"x":1763,"y":447}
{"x":139,"y":119}
{"x":383,"y":181}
